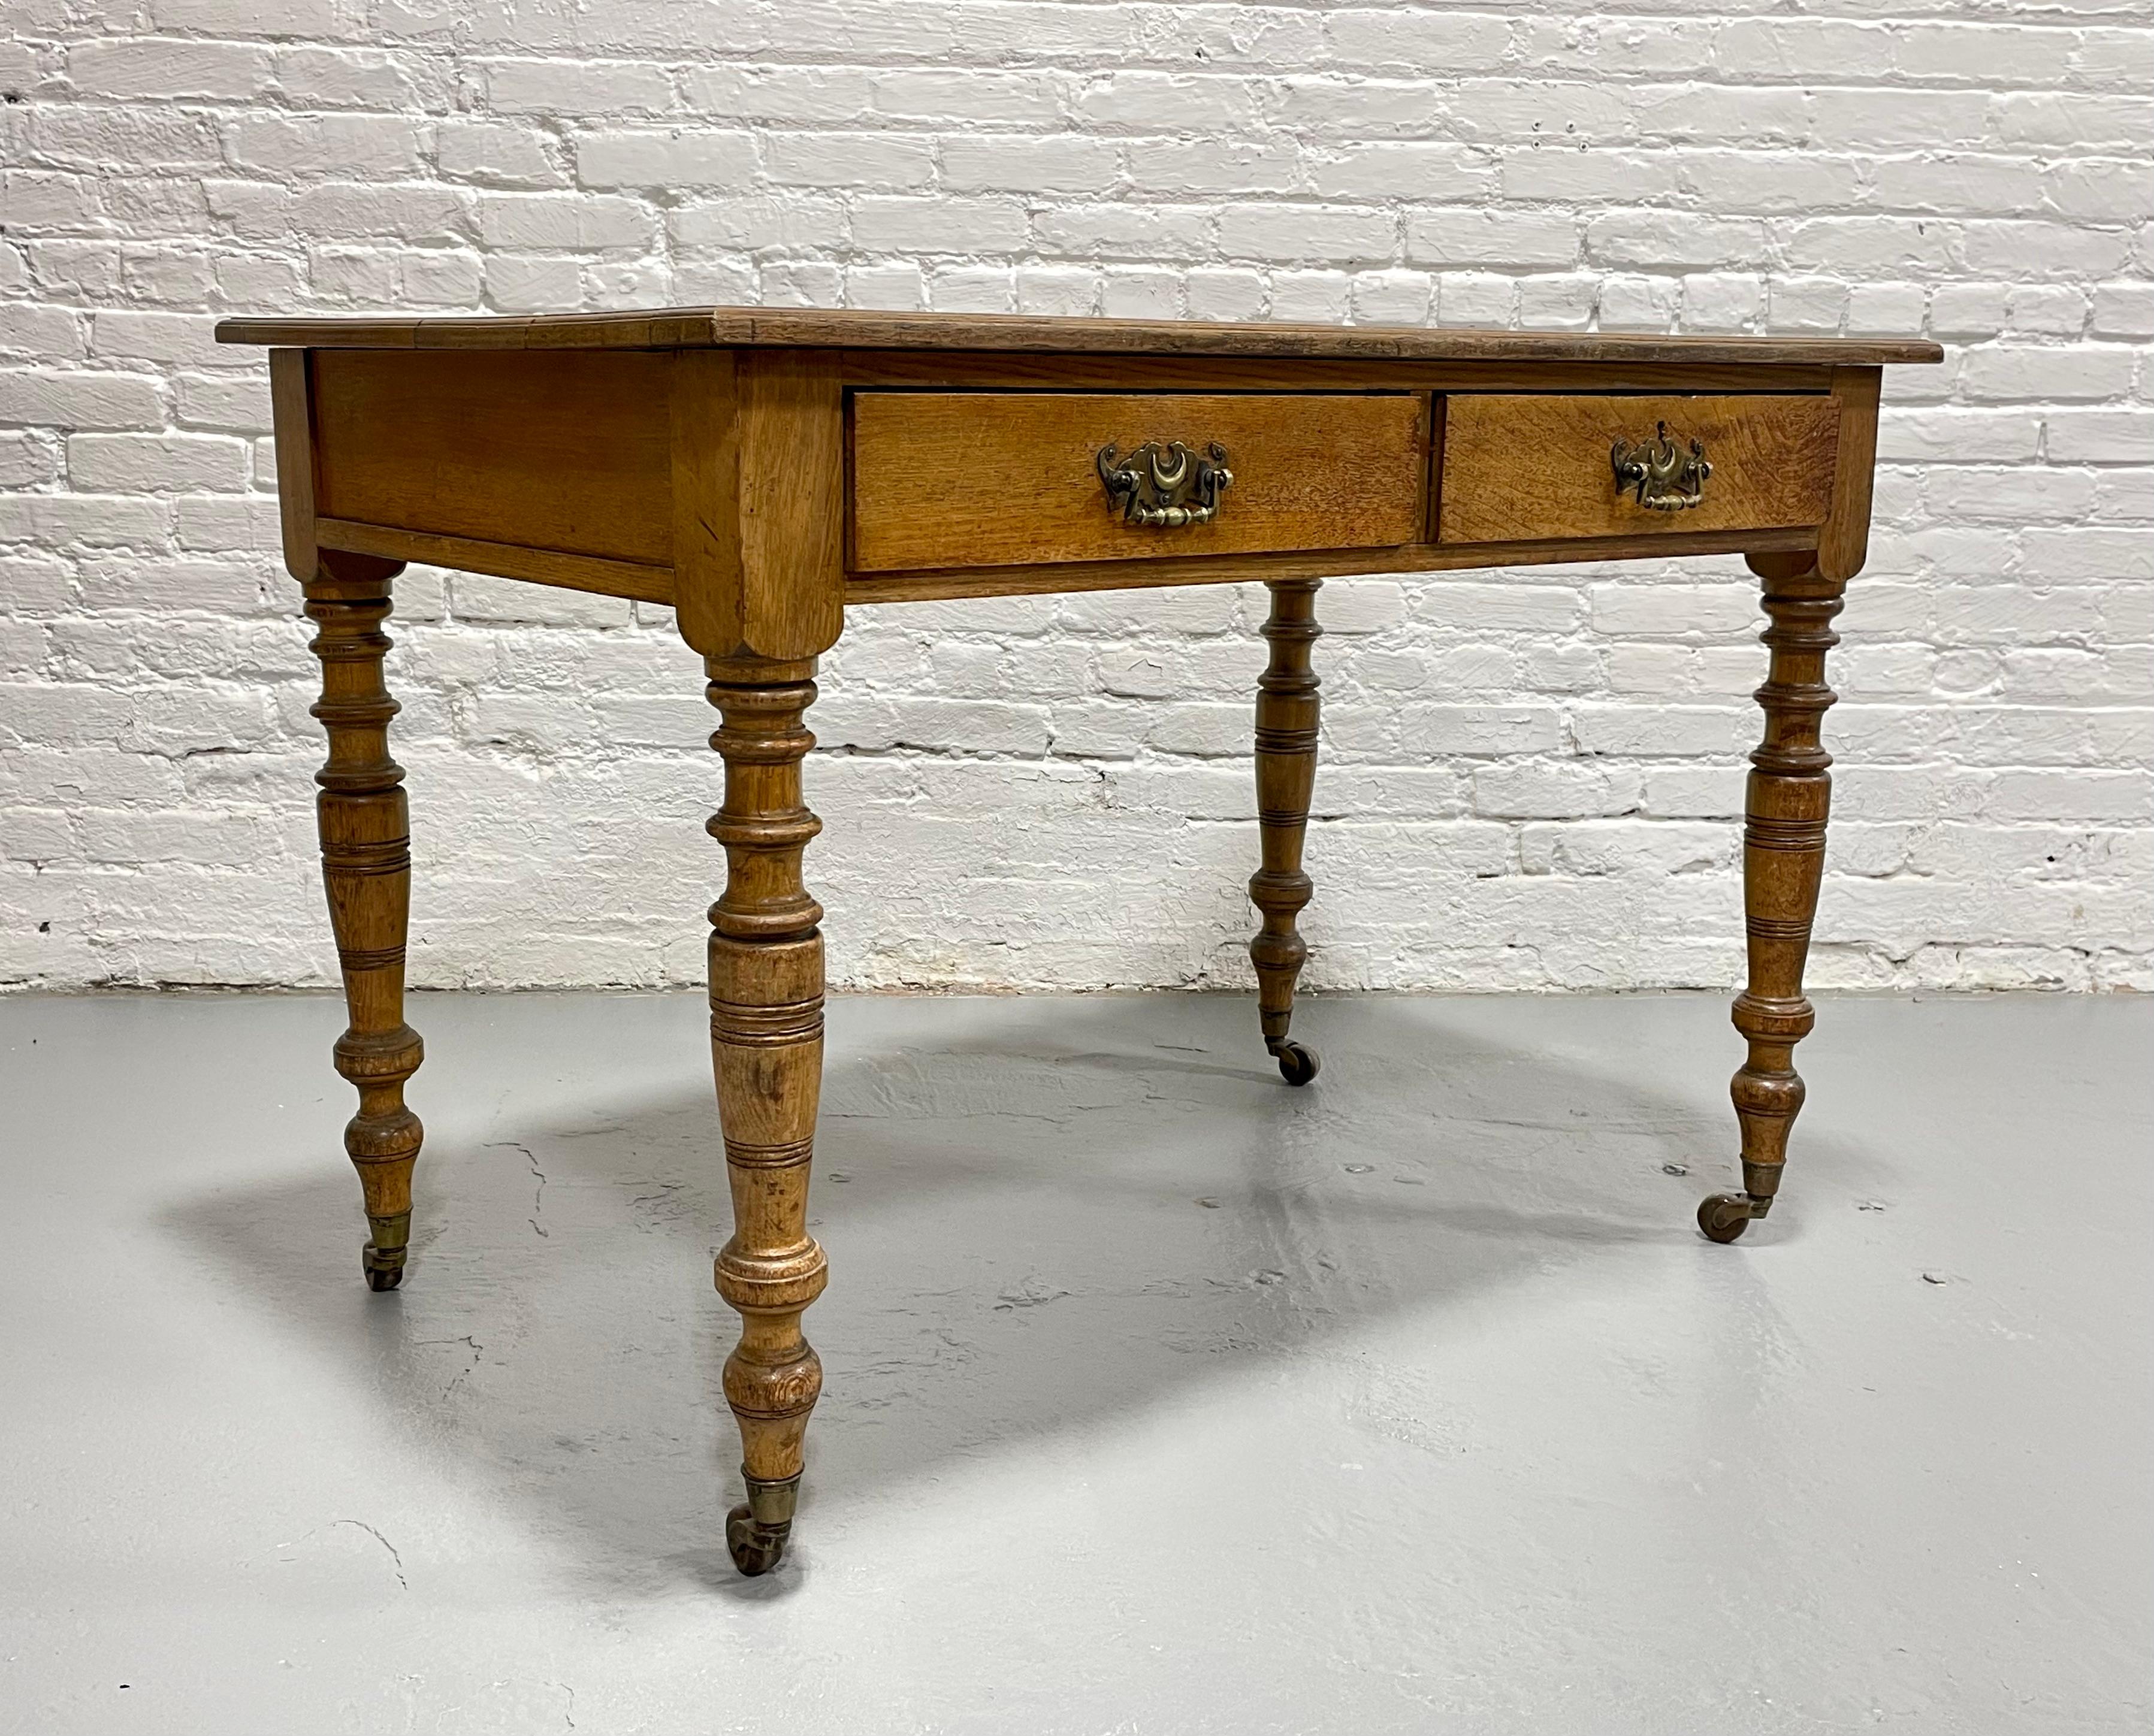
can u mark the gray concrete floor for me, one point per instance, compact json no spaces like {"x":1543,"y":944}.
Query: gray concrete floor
{"x":1160,"y":1398}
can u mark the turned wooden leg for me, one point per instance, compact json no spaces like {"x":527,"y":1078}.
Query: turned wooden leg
{"x":766,"y":1050}
{"x":1783,"y":862}
{"x":366,"y":868}
{"x":1286,"y":772}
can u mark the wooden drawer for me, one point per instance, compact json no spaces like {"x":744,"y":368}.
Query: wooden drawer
{"x":995,"y":479}
{"x":1526,"y":468}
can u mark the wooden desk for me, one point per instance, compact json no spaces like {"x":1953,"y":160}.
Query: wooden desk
{"x":762,"y":471}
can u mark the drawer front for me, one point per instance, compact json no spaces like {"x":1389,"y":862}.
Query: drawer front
{"x":995,"y":479}
{"x":1524,"y":469}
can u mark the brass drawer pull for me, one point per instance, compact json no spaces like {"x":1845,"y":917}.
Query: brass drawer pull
{"x":1161,"y":488}
{"x":1667,"y":478}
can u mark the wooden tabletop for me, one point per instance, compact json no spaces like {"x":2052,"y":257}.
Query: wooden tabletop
{"x":862,"y":328}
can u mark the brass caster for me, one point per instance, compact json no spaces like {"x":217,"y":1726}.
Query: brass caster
{"x":1723,"y":1217}
{"x":756,"y":1530}
{"x":755,"y":1547}
{"x":1297,"y":1064}
{"x":382,"y":1256}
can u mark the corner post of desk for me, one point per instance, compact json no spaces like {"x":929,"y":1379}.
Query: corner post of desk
{"x":292,"y":419}
{"x":1786,"y":806}
{"x":1844,"y":539}
{"x":365,"y":829}
{"x":758,"y":494}
{"x":759,"y":501}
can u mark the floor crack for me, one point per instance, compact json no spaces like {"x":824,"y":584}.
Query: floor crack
{"x":385,"y":1544}
{"x":537,"y":1194}
{"x":477,"y":1351}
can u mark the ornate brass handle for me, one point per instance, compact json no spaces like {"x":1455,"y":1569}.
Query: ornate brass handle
{"x":1666,"y":478}
{"x":1162,"y":487}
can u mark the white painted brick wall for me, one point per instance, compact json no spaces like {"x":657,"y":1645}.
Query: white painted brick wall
{"x":1529,"y":777}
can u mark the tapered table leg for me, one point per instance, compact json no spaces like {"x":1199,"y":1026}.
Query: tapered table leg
{"x":1790,"y":791}
{"x":1287,"y":710}
{"x":767,"y":1052}
{"x":366,"y":868}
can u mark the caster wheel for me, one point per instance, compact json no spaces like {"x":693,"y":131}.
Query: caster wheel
{"x":755,"y":1547}
{"x":379,"y":1273}
{"x":1723,"y":1217}
{"x":1297,"y":1064}
{"x":384,"y":1281}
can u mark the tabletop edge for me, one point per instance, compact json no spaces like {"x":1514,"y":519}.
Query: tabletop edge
{"x":859,"y":328}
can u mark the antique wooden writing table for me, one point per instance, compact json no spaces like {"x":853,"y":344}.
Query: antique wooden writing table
{"x":763,"y":470}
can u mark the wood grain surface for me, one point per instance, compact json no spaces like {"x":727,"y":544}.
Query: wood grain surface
{"x":1290,"y":715}
{"x":566,"y":452}
{"x":504,"y":560}
{"x":956,"y":370}
{"x":759,"y":493}
{"x":766,"y":977}
{"x":846,"y":328}
{"x":366,"y":831}
{"x":1520,"y":468}
{"x":1333,"y":563}
{"x":292,"y":413}
{"x":1787,"y":802}
{"x":1844,"y":543}
{"x":952,"y":479}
